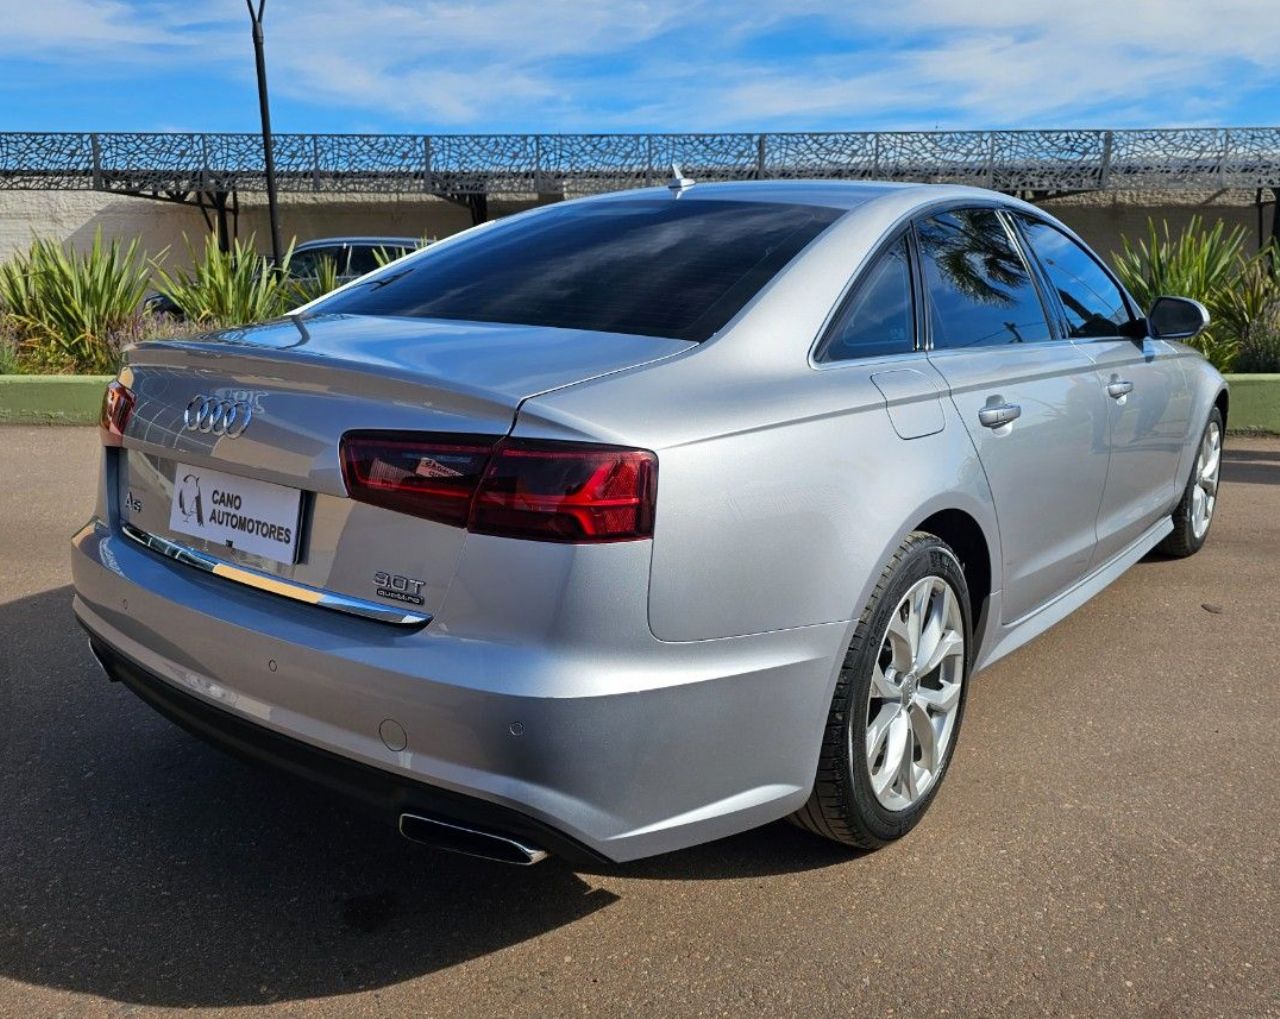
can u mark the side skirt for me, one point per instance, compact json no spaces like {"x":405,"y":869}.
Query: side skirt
{"x":1010,"y":638}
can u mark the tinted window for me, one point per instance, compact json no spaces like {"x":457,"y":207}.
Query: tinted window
{"x":879,"y":318}
{"x":306,"y":264}
{"x":678,"y":268}
{"x":365,"y":258}
{"x":1093,"y":303}
{"x":979,"y":289}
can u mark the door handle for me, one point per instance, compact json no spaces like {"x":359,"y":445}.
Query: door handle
{"x":1119,"y":389}
{"x":995,"y":415}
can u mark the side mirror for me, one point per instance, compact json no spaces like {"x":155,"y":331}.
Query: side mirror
{"x":1177,"y":318}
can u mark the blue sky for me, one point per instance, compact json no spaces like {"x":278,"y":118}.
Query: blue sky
{"x":660,"y":65}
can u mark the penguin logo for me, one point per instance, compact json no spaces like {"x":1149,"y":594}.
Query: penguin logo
{"x":190,"y":503}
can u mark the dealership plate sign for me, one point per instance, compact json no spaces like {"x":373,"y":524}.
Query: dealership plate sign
{"x":241,"y":513}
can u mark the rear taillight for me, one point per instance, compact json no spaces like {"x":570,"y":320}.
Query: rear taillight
{"x":516,"y":488}
{"x":563,"y":491}
{"x":117,"y":405}
{"x":424,"y":475}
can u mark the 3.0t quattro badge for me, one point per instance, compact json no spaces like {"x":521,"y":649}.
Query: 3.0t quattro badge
{"x":217,"y":416}
{"x":398,"y":588}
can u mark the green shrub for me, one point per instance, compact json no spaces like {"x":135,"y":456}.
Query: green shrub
{"x":1201,"y":263}
{"x":1242,"y":292}
{"x":229,"y":288}
{"x":10,"y":364}
{"x":1260,"y":347}
{"x":69,"y":307}
{"x":1251,"y":312}
{"x":308,"y":288}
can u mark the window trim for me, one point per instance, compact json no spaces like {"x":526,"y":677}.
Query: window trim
{"x":854,"y":288}
{"x":1048,"y":304}
{"x":1136,"y":318}
{"x":1056,"y":335}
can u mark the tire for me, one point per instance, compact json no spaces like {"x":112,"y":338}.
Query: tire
{"x":1190,"y":525}
{"x":845,"y":805}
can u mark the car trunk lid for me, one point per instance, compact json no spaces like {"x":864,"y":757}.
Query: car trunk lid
{"x":301,"y":385}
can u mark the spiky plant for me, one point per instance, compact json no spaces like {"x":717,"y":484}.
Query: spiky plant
{"x":69,"y":306}
{"x":1198,"y":262}
{"x":324,"y":280}
{"x":1251,"y":311}
{"x":229,"y":288}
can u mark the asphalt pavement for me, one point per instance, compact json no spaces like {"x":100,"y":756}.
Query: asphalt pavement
{"x":1106,"y":843}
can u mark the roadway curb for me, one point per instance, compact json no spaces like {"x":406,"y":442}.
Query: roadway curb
{"x":51,"y":399}
{"x":75,"y":400}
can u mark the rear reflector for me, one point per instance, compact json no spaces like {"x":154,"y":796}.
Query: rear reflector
{"x":117,"y":405}
{"x":516,"y":488}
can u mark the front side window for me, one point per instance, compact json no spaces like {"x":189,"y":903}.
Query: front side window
{"x":1093,"y":304}
{"x":879,"y":317}
{"x":671,"y":267}
{"x":980,"y":291}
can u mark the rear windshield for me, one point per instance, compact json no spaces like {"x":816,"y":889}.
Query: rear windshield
{"x":671,"y":267}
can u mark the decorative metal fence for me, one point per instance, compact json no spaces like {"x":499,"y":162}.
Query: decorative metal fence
{"x":1039,"y":161}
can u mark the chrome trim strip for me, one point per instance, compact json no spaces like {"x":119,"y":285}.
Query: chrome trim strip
{"x":276,"y":585}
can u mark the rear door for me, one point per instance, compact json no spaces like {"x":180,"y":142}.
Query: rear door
{"x":1149,"y":403}
{"x":1028,"y":398}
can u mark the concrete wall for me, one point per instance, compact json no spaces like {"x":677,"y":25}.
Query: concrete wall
{"x":74,"y":216}
{"x":1103,"y":218}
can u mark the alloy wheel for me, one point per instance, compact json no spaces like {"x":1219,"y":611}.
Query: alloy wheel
{"x":914,"y":697}
{"x":1204,"y":494}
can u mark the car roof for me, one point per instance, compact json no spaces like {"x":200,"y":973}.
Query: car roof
{"x":327,"y":242}
{"x":835,"y":194}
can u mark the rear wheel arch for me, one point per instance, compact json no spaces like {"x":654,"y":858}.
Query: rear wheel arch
{"x":846,"y":801}
{"x":965,"y":536}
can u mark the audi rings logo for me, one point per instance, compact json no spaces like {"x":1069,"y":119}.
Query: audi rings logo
{"x":215,"y":416}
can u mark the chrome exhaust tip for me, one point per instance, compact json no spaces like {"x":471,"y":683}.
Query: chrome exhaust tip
{"x":457,"y":838}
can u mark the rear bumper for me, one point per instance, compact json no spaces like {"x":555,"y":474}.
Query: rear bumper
{"x":383,"y":792}
{"x":620,"y":749}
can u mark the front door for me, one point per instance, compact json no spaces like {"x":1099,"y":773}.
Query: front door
{"x":1029,"y":400}
{"x":1150,"y":416}
{"x":1146,"y":390}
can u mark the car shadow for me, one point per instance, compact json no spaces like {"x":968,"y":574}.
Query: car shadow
{"x":1251,"y":466}
{"x":142,"y":866}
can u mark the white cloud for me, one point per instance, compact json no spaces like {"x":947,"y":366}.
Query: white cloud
{"x":698,"y":64}
{"x":74,"y":26}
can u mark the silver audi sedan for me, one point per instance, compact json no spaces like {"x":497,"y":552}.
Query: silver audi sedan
{"x":633,"y":522}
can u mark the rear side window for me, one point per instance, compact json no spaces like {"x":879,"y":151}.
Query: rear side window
{"x":1093,"y":304}
{"x":980,"y":292}
{"x":670,"y":267}
{"x":307,"y":263}
{"x":879,"y":317}
{"x":365,"y":258}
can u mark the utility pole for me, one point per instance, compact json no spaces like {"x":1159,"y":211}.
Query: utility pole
{"x":264,"y":107}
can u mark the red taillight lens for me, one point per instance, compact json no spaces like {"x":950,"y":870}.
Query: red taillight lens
{"x":117,"y":405}
{"x":425,"y":475}
{"x":516,"y":488}
{"x":565,"y":491}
